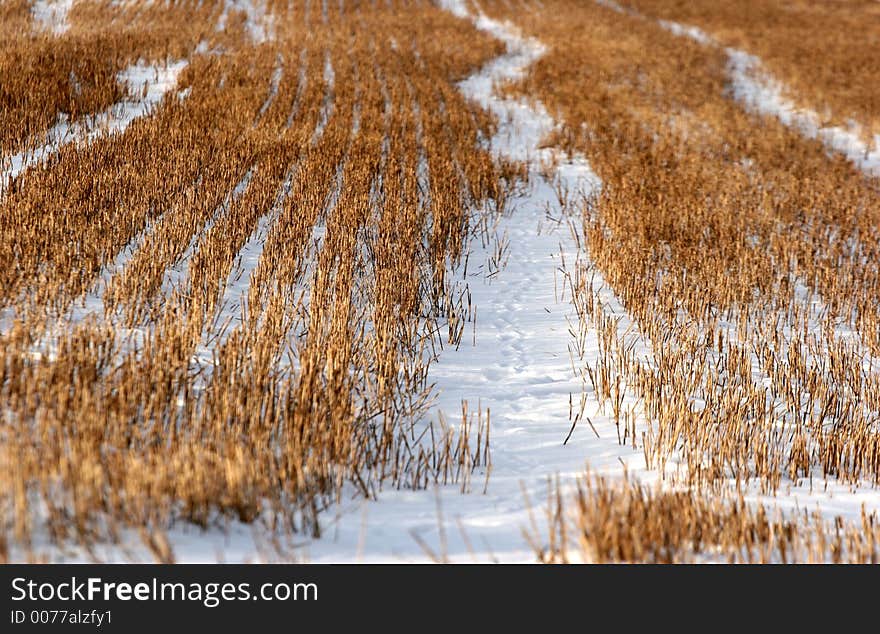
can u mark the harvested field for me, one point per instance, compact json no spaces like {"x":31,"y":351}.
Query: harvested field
{"x":379,"y":281}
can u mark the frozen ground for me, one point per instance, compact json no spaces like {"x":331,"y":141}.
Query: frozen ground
{"x":517,"y":363}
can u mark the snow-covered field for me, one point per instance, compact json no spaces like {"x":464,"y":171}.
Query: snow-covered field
{"x":520,"y":360}
{"x":517,"y":363}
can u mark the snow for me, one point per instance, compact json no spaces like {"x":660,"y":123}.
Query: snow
{"x":52,"y":15}
{"x":683,"y":30}
{"x":329,"y":101}
{"x":302,"y":78}
{"x":146,"y":85}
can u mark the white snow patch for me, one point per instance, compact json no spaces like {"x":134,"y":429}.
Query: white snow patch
{"x":683,"y":30}
{"x":329,"y":99}
{"x":614,"y":6}
{"x":52,"y":15}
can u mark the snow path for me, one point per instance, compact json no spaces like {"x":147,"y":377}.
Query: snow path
{"x":157,"y":79}
{"x":758,"y":91}
{"x":519,"y":366}
{"x":761,"y":93}
{"x":52,"y":15}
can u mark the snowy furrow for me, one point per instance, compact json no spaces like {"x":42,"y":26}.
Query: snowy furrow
{"x":232,"y":306}
{"x":274,"y":84}
{"x":146,"y":85}
{"x":760,"y":92}
{"x":177,"y":274}
{"x":329,"y":99}
{"x":302,"y":79}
